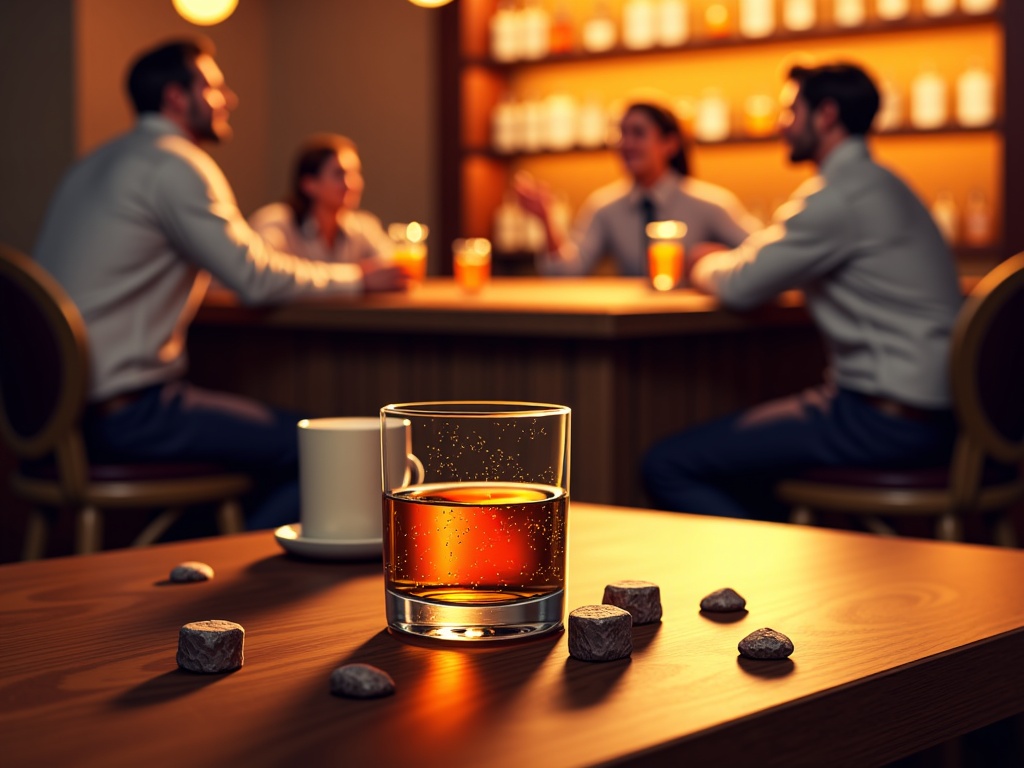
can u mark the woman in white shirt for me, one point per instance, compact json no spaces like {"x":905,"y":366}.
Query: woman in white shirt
{"x":657,"y":187}
{"x":321,"y":218}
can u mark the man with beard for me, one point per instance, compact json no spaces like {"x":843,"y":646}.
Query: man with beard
{"x":134,"y":233}
{"x":882,"y":287}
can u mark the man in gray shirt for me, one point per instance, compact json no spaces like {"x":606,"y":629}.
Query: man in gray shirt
{"x":134,"y":233}
{"x":880,"y":283}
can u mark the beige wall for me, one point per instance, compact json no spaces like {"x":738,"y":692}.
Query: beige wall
{"x":37,"y":136}
{"x":298,"y":66}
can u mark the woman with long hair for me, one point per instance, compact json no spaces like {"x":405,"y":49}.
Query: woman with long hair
{"x":321,"y":218}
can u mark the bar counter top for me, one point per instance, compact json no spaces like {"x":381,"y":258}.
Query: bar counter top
{"x":588,"y":307}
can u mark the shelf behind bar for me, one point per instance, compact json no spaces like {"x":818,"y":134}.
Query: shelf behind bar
{"x":946,"y":130}
{"x":956,"y":19}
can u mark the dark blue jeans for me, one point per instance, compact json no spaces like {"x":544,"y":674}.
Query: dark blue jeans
{"x":729,"y":466}
{"x":181,"y":422}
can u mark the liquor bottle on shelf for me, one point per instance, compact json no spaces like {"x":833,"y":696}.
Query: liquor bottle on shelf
{"x":673,"y":23}
{"x":506,"y":32}
{"x":561,"y":30}
{"x":946,"y":216}
{"x":849,"y":13}
{"x":592,"y":124}
{"x":506,"y":130}
{"x":757,"y":18}
{"x":639,"y":25}
{"x":928,"y":100}
{"x":712,"y":123}
{"x":890,"y":109}
{"x":759,"y":115}
{"x":560,"y":122}
{"x":892,"y":10}
{"x":717,"y":22}
{"x":978,"y":230}
{"x":975,"y":97}
{"x":799,"y":15}
{"x":978,"y":6}
{"x":536,"y":30}
{"x":937,"y":8}
{"x":599,"y":33}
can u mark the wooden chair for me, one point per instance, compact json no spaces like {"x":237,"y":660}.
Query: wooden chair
{"x":984,"y":477}
{"x":43,"y":377}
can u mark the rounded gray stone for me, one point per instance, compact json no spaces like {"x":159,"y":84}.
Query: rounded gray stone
{"x":600,"y":633}
{"x":723,"y":601}
{"x":361,"y":681}
{"x":766,"y":644}
{"x":191,"y":570}
{"x":641,"y":598}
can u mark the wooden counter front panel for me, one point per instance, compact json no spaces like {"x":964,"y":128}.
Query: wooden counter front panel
{"x":624,"y":393}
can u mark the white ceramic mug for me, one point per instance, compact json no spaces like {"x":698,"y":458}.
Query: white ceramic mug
{"x":340,"y":476}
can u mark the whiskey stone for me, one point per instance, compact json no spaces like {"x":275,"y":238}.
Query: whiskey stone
{"x":210,"y":646}
{"x":641,"y":598}
{"x":361,"y":681}
{"x":600,"y":633}
{"x":766,"y":644}
{"x":723,"y":600}
{"x":191,"y":570}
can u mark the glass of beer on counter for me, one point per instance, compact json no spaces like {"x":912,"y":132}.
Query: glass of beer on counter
{"x":471,"y":260}
{"x":476,"y":550}
{"x":410,"y":249}
{"x":665,"y":253}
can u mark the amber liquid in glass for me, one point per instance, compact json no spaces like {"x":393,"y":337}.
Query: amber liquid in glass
{"x":475,"y":543}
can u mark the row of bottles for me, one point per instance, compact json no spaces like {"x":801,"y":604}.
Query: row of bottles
{"x":561,"y":122}
{"x":970,"y":224}
{"x":532,"y":30}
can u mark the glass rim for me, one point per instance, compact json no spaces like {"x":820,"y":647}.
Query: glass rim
{"x":482,"y":409}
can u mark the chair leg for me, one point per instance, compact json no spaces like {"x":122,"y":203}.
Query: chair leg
{"x":948,"y":528}
{"x":879,"y":526}
{"x":157,"y":527}
{"x":802,"y":515}
{"x":89,"y":533}
{"x":1004,"y":532}
{"x":36,"y":533}
{"x":229,"y":517}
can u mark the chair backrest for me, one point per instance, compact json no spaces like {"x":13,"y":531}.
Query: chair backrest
{"x":987,"y":363}
{"x":43,"y":359}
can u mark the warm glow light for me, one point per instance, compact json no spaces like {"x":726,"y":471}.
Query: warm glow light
{"x":430,"y":3}
{"x":205,"y":12}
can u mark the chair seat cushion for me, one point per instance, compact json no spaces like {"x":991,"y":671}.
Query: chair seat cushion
{"x":883,"y":477}
{"x":113,"y":473}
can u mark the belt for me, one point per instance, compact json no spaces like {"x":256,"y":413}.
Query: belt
{"x":902,"y":410}
{"x":112,"y":405}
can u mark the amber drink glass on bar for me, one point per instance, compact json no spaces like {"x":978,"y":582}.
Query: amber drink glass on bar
{"x":471,"y":262}
{"x":665,"y":254}
{"x":410,"y":249}
{"x":477,"y":550}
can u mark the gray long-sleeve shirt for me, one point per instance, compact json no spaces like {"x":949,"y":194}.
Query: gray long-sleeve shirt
{"x":133,"y":233}
{"x":878,"y":279}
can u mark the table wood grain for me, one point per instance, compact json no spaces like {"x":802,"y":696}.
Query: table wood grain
{"x":900,"y":644}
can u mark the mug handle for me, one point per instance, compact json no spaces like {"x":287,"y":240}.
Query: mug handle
{"x":415,"y":468}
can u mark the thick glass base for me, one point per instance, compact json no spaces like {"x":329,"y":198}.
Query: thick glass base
{"x":474,"y":623}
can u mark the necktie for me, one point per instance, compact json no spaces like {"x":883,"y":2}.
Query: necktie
{"x":646,"y":217}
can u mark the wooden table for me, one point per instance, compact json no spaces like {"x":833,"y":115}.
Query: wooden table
{"x":900,"y":644}
{"x":633,"y":364}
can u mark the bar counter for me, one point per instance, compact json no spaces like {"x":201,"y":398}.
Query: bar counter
{"x":632,"y":363}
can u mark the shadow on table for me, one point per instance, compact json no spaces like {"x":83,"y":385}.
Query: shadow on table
{"x":166,"y":687}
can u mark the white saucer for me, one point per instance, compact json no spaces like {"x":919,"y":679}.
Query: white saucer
{"x":290,"y":537}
